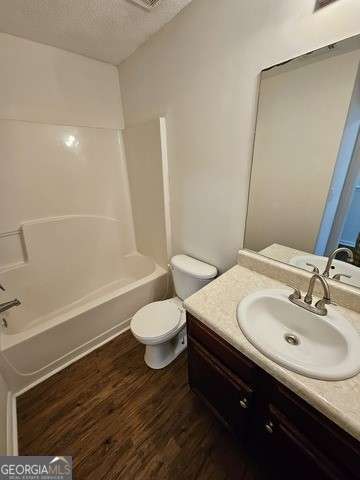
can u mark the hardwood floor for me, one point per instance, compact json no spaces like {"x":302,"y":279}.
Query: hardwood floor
{"x":121,"y":420}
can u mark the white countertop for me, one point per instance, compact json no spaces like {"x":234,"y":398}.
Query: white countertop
{"x":215,"y":305}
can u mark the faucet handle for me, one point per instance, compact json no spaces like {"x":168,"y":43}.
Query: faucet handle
{"x":320,"y":304}
{"x":296,"y":295}
{"x":339,"y":275}
{"x":314,"y":267}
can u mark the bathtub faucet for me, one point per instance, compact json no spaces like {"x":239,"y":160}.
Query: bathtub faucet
{"x":7,"y":305}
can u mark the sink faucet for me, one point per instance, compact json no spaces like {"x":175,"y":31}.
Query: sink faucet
{"x":332,"y":256}
{"x":309,"y":294}
{"x":7,"y":305}
{"x":320,"y":306}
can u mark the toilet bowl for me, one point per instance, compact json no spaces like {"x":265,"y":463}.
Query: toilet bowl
{"x":161,"y":326}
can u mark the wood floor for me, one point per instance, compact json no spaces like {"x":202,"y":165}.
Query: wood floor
{"x":120,"y":420}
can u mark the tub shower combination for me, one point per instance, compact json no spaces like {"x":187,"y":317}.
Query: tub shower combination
{"x":78,"y":287}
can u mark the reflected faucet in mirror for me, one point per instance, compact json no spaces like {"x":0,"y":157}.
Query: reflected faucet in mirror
{"x":332,"y":257}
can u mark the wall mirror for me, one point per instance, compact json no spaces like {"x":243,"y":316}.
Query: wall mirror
{"x":304,"y":197}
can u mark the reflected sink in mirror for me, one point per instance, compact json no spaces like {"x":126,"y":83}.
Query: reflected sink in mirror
{"x":337,"y":267}
{"x":321,"y":347}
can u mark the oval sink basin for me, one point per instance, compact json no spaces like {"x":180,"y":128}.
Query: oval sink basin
{"x":322,"y":347}
{"x":336,"y":267}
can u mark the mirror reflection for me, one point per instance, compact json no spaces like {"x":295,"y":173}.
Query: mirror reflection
{"x":304,"y":198}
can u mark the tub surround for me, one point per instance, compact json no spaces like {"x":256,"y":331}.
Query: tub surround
{"x":215,"y":306}
{"x":68,"y":249}
{"x":149,"y":188}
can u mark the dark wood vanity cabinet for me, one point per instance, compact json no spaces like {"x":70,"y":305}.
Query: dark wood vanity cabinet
{"x":287,"y":436}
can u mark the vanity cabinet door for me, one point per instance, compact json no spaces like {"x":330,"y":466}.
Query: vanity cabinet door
{"x":227,"y":355}
{"x":291,"y":454}
{"x":229,"y":398}
{"x":327,"y":437}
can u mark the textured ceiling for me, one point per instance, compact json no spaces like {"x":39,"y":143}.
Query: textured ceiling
{"x":108,"y":30}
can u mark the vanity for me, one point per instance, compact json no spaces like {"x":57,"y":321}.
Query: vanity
{"x":294,"y":426}
{"x":280,"y":366}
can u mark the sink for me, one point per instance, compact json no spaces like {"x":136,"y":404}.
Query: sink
{"x":322,"y":347}
{"x":337,"y":267}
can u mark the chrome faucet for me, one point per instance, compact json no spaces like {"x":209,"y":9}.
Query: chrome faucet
{"x":332,"y":256}
{"x":7,"y":305}
{"x":309,"y":294}
{"x":320,"y":306}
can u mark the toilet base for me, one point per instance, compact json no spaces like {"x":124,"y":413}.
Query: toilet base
{"x":161,"y":355}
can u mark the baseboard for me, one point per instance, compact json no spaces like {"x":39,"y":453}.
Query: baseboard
{"x":11,"y":425}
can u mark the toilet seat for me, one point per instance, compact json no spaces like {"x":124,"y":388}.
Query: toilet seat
{"x":157,"y":321}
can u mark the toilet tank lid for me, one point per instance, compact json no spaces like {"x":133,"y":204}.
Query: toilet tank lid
{"x":193,"y":267}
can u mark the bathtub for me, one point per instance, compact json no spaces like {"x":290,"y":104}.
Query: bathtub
{"x":49,"y":331}
{"x":56,"y":339}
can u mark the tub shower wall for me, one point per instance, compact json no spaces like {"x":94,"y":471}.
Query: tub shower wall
{"x":149,"y":187}
{"x":67,"y":243}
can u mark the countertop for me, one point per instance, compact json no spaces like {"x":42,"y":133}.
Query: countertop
{"x":215,"y":306}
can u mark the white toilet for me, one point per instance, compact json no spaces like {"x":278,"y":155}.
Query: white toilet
{"x":161,"y":326}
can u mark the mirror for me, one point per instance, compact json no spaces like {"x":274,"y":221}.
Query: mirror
{"x":304,"y":197}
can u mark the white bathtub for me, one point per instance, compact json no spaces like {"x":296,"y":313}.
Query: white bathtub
{"x":53,"y":341}
{"x":52,"y":328}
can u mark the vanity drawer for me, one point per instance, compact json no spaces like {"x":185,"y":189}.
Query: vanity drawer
{"x":229,"y":397}
{"x":220,"y":349}
{"x":325,"y":436}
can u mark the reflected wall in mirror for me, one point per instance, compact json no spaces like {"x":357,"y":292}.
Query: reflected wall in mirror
{"x":304,"y":197}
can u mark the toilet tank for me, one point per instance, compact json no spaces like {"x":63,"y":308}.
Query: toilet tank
{"x":190,"y":275}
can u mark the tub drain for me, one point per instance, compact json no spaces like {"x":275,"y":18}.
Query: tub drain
{"x":292,"y":339}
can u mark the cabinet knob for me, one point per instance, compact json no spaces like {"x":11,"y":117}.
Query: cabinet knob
{"x":269,"y":426}
{"x":244,"y":403}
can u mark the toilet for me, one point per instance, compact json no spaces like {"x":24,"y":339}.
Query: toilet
{"x":161,"y":326}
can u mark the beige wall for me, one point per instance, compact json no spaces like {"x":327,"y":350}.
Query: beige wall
{"x":202,"y":71}
{"x":60,"y":144}
{"x":3,"y":416}
{"x":301,"y":119}
{"x":144,"y":156}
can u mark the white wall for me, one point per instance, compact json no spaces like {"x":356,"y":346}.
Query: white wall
{"x":301,"y":117}
{"x":3,"y":416}
{"x":60,"y":144}
{"x":39,"y":83}
{"x":143,"y":147}
{"x":202,"y":71}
